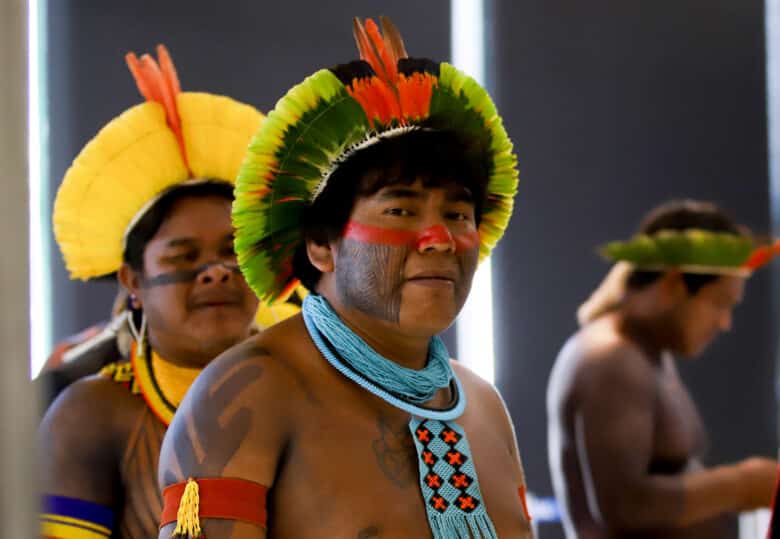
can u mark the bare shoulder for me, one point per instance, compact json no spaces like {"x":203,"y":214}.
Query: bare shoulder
{"x":250,"y":359}
{"x":598,"y":357}
{"x":484,"y":399}
{"x":88,"y":410}
{"x":478,"y":390}
{"x":81,"y":439}
{"x":486,"y":407}
{"x":268,"y":358}
{"x":238,"y":416}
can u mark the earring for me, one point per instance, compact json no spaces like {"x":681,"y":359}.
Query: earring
{"x":139,"y":335}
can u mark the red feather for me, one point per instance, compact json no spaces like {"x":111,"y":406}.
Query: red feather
{"x":762,"y":256}
{"x":363,"y":44}
{"x":387,"y":68}
{"x":160,"y":83}
{"x":388,"y":96}
{"x":168,"y":70}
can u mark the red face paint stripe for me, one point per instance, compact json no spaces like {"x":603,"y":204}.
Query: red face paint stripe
{"x":378,"y":235}
{"x":466,"y":241}
{"x":412,"y":238}
{"x":434,"y":235}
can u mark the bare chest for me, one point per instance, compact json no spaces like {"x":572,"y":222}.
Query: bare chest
{"x":142,"y":506}
{"x":679,"y":432}
{"x":357,"y":475}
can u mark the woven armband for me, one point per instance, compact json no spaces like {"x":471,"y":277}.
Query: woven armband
{"x":71,"y":518}
{"x":188,"y":502}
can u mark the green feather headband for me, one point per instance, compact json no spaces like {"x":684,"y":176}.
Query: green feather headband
{"x":692,"y":251}
{"x":337,"y":112}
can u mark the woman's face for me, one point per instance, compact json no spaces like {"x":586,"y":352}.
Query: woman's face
{"x":196,"y":301}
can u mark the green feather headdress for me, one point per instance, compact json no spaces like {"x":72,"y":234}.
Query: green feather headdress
{"x":337,"y":112}
{"x":692,"y":251}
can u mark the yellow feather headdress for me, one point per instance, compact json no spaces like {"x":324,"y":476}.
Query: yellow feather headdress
{"x":172,"y":138}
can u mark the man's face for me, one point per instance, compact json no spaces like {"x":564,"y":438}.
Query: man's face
{"x":702,"y":316}
{"x":196,"y":301}
{"x":408,"y":255}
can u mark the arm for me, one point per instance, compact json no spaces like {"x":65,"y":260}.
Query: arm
{"x":232,"y":424}
{"x":77,"y":445}
{"x":613,"y":425}
{"x":487,"y":403}
{"x":504,"y":422}
{"x":53,"y":380}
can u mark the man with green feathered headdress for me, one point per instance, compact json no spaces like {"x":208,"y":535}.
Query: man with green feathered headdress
{"x":625,"y":438}
{"x":379,"y":184}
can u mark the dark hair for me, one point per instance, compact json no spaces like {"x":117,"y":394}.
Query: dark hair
{"x":437,"y":158}
{"x":151,"y":221}
{"x":684,"y":215}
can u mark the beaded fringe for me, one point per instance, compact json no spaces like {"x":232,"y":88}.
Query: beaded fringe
{"x":462,"y":527}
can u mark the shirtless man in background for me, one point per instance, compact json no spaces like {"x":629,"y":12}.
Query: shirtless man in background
{"x":625,"y":437}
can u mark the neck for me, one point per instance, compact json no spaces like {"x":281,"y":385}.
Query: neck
{"x":646,"y":331}
{"x":196,"y":355}
{"x":410,"y":351}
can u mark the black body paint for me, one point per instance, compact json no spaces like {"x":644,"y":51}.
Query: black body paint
{"x":219,"y":443}
{"x":372,"y":532}
{"x":372,"y":278}
{"x":395,"y":454}
{"x":185,"y":276}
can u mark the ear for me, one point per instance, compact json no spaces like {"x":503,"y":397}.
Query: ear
{"x":131,"y":281}
{"x":321,"y":255}
{"x":674,"y":287}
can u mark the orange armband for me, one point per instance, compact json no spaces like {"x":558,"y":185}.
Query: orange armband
{"x":187,"y":502}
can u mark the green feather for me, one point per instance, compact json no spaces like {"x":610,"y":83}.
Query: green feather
{"x":460,"y":104}
{"x":310,"y":128}
{"x":674,"y":248}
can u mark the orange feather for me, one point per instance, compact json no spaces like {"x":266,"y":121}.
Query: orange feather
{"x":168,"y":69}
{"x":387,"y":68}
{"x":363,"y":43}
{"x":389,"y":96}
{"x":139,"y":74}
{"x":762,"y":256}
{"x":160,"y":83}
{"x":415,"y":94}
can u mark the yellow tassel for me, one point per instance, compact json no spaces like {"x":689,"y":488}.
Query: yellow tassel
{"x":187,"y":519}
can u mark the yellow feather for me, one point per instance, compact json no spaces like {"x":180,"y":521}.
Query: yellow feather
{"x":131,"y":161}
{"x":217,"y":131}
{"x":108,"y":183}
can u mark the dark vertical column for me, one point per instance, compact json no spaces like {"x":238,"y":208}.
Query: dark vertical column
{"x":252,"y":51}
{"x":615,"y":107}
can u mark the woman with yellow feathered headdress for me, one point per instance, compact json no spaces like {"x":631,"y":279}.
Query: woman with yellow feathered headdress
{"x":150,"y":199}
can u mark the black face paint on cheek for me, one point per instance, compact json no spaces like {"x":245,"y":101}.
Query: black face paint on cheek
{"x":184,"y":276}
{"x":370,"y":279}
